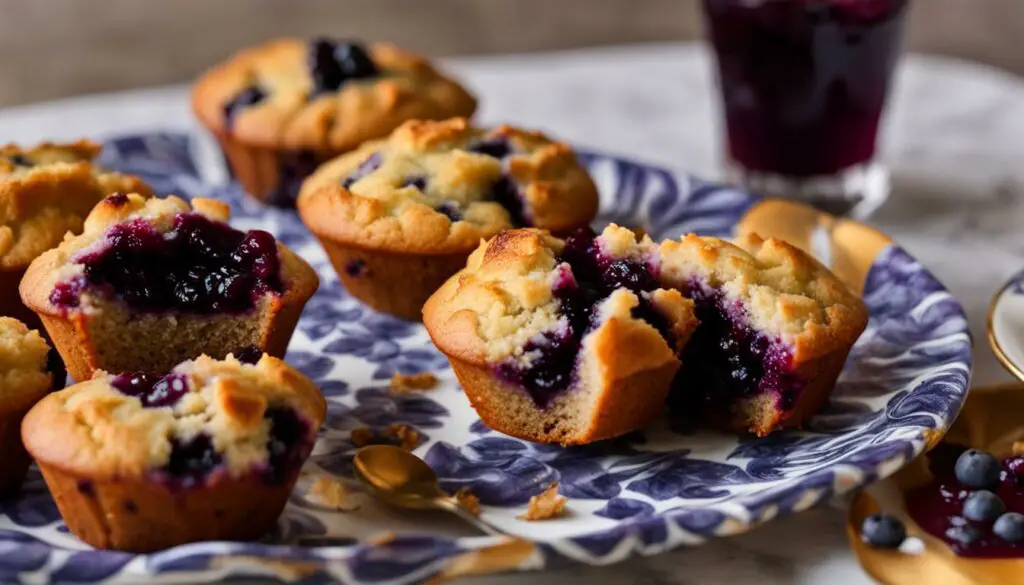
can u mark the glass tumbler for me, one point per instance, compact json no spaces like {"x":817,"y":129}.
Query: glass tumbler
{"x":803,"y":86}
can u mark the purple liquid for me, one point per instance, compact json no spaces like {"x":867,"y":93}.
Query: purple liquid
{"x":804,"y":81}
{"x":938,"y":506}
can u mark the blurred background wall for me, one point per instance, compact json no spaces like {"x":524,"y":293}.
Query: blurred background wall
{"x":57,"y":48}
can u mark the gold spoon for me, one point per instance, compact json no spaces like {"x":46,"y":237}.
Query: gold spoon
{"x":404,"y":480}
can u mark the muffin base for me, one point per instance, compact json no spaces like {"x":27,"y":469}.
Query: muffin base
{"x":85,"y":347}
{"x":620,"y":407}
{"x":390,"y":282}
{"x":271,"y":175}
{"x":141,"y":515}
{"x":14,"y":460}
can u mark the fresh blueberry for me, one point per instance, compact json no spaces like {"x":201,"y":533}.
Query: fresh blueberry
{"x":1010,"y":527}
{"x":883,"y":531}
{"x":983,"y":506}
{"x":963,"y":535}
{"x":977,"y":469}
{"x":332,"y":64}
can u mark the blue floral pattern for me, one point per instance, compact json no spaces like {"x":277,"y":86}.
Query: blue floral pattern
{"x":640,"y":494}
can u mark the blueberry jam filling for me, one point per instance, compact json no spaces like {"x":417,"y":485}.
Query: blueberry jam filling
{"x":191,"y":462}
{"x":332,"y":64}
{"x":974,"y":502}
{"x":199,"y":266}
{"x":292,"y":170}
{"x":152,"y":390}
{"x":449,"y":210}
{"x":372,"y":163}
{"x":727,"y":360}
{"x":20,"y":160}
{"x":250,"y":96}
{"x":593,"y":277}
{"x":498,"y":148}
{"x":505,"y":192}
{"x":249,"y":354}
{"x":418,"y":181}
{"x":287,"y":446}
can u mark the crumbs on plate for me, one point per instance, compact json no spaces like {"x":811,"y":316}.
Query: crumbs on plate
{"x":403,"y":383}
{"x":330,"y":492}
{"x":361,"y":436}
{"x":404,"y":436}
{"x":545,"y":505}
{"x":398,"y":434}
{"x":468,"y":501}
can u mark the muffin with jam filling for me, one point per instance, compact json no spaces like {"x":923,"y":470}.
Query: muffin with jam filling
{"x":399,"y":216}
{"x":26,"y":375}
{"x":577,"y":340}
{"x":47,"y":191}
{"x":209,"y":451}
{"x":150,"y":283}
{"x":281,"y":108}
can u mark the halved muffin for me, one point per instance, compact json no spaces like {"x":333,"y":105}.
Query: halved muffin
{"x":561,"y":342}
{"x":578,"y":340}
{"x":152,"y":283}
{"x":397,"y":217}
{"x":47,"y":191}
{"x":25,"y":377}
{"x":210,"y":451}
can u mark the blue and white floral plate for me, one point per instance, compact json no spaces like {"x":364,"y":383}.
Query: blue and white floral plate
{"x":1006,"y":325}
{"x":903,"y":385}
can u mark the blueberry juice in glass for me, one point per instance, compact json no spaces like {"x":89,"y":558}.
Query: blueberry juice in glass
{"x":803,"y":86}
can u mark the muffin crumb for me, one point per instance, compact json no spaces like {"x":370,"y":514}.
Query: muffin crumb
{"x":468,"y":501}
{"x":361,"y":436}
{"x":330,"y":492}
{"x":545,"y":505}
{"x":405,"y":436}
{"x":403,"y":384}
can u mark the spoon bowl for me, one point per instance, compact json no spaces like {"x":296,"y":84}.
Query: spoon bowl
{"x":402,"y":479}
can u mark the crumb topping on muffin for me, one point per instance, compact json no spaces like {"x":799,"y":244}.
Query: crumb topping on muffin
{"x":46,"y":191}
{"x":130,"y":424}
{"x":441,"y":186}
{"x":23,"y":363}
{"x":323,"y":94}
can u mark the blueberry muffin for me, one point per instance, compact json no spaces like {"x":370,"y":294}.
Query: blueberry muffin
{"x":397,"y":217}
{"x":562,"y":341}
{"x":45,"y":192}
{"x":209,"y":451}
{"x":578,"y":340}
{"x":280,"y":109}
{"x":153,"y":282}
{"x":25,"y":377}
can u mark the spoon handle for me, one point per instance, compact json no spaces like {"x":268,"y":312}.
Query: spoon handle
{"x":452,"y":505}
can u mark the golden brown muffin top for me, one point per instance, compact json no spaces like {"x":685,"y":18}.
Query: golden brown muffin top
{"x":95,"y":429}
{"x":289,"y":109}
{"x":439,"y":187}
{"x":46,"y":191}
{"x":23,"y":373}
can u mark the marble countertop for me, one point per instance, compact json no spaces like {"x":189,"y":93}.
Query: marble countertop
{"x":953,"y":140}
